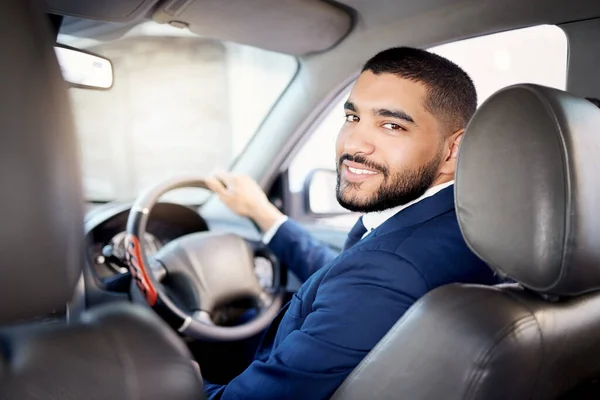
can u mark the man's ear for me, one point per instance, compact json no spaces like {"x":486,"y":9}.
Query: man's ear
{"x":455,"y":141}
{"x":452,"y":147}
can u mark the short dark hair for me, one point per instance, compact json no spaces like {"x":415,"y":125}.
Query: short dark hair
{"x":451,"y":93}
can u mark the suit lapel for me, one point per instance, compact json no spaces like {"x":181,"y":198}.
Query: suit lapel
{"x":424,"y":210}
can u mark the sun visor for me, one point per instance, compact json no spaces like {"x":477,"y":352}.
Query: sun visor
{"x":296,"y":27}
{"x":105,"y":10}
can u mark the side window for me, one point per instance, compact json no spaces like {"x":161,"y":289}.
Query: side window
{"x":531,"y":55}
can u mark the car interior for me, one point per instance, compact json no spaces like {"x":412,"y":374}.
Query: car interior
{"x":112,"y":289}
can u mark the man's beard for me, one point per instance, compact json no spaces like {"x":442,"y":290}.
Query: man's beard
{"x":396,"y":189}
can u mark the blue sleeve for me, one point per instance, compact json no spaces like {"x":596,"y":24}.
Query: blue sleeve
{"x":296,"y":248}
{"x":357,"y":303}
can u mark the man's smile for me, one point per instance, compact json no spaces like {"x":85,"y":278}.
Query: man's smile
{"x":356,"y":172}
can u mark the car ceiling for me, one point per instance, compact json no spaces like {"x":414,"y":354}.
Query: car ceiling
{"x":309,"y":26}
{"x":302,"y":27}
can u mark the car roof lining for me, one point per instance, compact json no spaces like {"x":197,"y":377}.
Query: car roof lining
{"x":303,"y":27}
{"x":105,"y":10}
{"x":296,"y":27}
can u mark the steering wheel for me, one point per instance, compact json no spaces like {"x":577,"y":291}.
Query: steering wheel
{"x":189,"y":278}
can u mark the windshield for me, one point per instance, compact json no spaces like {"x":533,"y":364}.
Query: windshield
{"x":179,"y":104}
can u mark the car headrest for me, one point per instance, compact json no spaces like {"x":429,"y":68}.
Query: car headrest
{"x":528,"y":190}
{"x":41,"y":206}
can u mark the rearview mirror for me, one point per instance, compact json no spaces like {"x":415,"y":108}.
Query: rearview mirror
{"x":320,"y":194}
{"x":84,"y":70}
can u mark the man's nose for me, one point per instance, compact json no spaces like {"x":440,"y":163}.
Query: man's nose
{"x":358,"y":140}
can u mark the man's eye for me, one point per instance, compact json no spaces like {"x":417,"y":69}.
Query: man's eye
{"x":351,"y":118}
{"x":393,"y":127}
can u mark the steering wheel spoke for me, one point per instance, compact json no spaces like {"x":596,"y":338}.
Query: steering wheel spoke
{"x":158,"y":269}
{"x":207,"y":270}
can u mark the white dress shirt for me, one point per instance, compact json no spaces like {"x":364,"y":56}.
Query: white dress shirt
{"x":371,"y":220}
{"x":273,"y":229}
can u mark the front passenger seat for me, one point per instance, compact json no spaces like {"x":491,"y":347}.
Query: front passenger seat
{"x":114,"y":352}
{"x":528,"y":203}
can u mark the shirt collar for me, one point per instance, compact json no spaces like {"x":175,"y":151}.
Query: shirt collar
{"x":372,"y":220}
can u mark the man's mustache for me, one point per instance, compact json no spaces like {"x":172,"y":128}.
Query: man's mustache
{"x":359,"y":159}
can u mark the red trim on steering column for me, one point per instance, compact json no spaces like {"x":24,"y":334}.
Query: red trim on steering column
{"x":138,"y":269}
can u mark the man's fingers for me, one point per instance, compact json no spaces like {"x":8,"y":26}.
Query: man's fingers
{"x":226,"y":178}
{"x":215,"y":185}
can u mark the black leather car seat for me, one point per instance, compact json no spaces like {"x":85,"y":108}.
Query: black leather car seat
{"x":528,"y":203}
{"x":113,"y":352}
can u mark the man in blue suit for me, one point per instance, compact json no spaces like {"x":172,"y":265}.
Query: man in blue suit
{"x":396,"y":155}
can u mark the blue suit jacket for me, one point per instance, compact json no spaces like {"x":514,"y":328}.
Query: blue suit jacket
{"x":351,"y":300}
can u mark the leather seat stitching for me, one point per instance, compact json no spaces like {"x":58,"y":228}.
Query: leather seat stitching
{"x":541,"y":335}
{"x":487,"y":354}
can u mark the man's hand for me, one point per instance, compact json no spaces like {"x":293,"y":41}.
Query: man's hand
{"x":244,"y":197}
